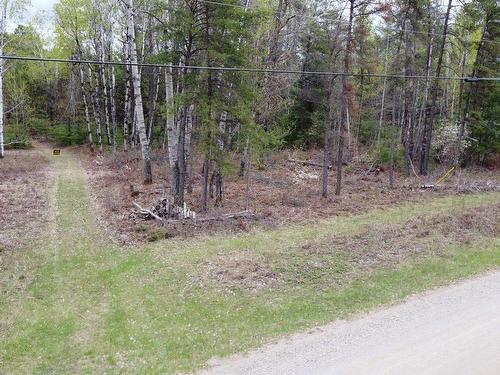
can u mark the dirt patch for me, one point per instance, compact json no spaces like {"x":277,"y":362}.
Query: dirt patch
{"x":24,"y":197}
{"x":421,"y":236}
{"x":335,"y":260}
{"x":236,"y":270}
{"x":281,"y":193}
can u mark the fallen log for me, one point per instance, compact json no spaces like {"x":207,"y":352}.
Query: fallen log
{"x":236,"y":215}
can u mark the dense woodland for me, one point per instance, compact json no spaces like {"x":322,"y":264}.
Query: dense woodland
{"x":398,"y":96}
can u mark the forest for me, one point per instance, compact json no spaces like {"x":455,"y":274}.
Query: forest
{"x":405,"y":83}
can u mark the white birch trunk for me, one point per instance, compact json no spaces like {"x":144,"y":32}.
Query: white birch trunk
{"x":126,"y":115}
{"x":222,"y":129}
{"x":139,"y":110}
{"x":113,"y":108}
{"x":95,"y":107}
{"x":86,"y":108}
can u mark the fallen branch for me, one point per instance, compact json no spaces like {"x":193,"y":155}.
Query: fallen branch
{"x":164,"y":209}
{"x":148,"y":212}
{"x":236,"y":215}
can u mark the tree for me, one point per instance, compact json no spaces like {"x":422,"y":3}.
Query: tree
{"x":136,"y":80}
{"x":427,"y":137}
{"x":9,"y":10}
{"x":482,"y":104}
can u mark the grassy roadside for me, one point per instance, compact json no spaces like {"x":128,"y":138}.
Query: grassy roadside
{"x":90,"y":306}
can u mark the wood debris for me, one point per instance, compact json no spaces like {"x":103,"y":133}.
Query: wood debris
{"x":164,"y":209}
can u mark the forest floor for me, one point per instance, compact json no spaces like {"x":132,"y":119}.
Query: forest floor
{"x":72,"y":301}
{"x":281,"y":192}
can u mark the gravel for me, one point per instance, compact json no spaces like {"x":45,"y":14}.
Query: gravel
{"x":453,"y":330}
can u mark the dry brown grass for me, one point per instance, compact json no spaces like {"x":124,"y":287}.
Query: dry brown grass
{"x":281,"y":193}
{"x":23,"y":197}
{"x":341,"y":258}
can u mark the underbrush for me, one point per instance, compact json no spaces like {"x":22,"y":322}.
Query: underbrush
{"x":61,"y":133}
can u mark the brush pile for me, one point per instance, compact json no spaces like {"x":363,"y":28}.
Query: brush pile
{"x":163,"y":209}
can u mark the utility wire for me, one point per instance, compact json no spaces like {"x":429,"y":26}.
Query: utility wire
{"x":244,"y":69}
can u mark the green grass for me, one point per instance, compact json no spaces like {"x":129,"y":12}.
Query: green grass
{"x":92,"y":307}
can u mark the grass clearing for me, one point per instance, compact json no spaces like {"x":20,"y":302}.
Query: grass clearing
{"x":85,"y":305}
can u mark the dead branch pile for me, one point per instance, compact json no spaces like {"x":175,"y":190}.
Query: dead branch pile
{"x":236,"y":215}
{"x":164,"y":209}
{"x":478,"y":186}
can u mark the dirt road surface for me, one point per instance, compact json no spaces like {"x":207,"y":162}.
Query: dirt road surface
{"x":454,"y":330}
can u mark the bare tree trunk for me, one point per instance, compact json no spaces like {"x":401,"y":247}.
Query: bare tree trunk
{"x":154,"y":100}
{"x":204,"y":188}
{"x":243,"y":163}
{"x":104,"y":83}
{"x":180,"y":165}
{"x":172,"y":137}
{"x":382,"y":104}
{"x":345,"y":99}
{"x":188,"y":148}
{"x":95,"y":108}
{"x":247,"y":163}
{"x":427,"y":139}
{"x":328,"y":139}
{"x":189,"y":132}
{"x":86,"y":108}
{"x":139,"y":110}
{"x":392,"y":135}
{"x":126,"y":112}
{"x":408,"y":114}
{"x":113,"y":108}
{"x":445,"y":101}
{"x":460,"y":112}
{"x":425,"y":101}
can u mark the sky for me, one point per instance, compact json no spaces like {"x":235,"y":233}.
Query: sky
{"x":41,"y":12}
{"x":42,"y":4}
{"x":39,"y":6}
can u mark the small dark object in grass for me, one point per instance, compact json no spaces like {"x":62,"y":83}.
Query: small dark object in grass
{"x":141,"y":228}
{"x":56,"y":152}
{"x":159,"y":234}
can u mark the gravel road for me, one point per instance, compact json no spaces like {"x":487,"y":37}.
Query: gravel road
{"x":453,"y":330}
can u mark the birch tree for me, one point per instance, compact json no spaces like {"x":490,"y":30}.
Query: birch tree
{"x":136,"y":81}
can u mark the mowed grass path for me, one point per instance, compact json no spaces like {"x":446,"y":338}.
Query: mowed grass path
{"x":76,"y":303}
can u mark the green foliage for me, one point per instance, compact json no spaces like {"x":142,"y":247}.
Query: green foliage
{"x":63,"y":134}
{"x":382,"y":154}
{"x":17,"y":138}
{"x":484,"y":97}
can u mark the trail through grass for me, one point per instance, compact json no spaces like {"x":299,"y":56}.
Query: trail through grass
{"x":76,"y":303}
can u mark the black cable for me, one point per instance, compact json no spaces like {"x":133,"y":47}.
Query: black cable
{"x":243,"y":69}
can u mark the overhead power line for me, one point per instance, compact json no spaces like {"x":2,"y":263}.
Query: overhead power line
{"x":244,"y":69}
